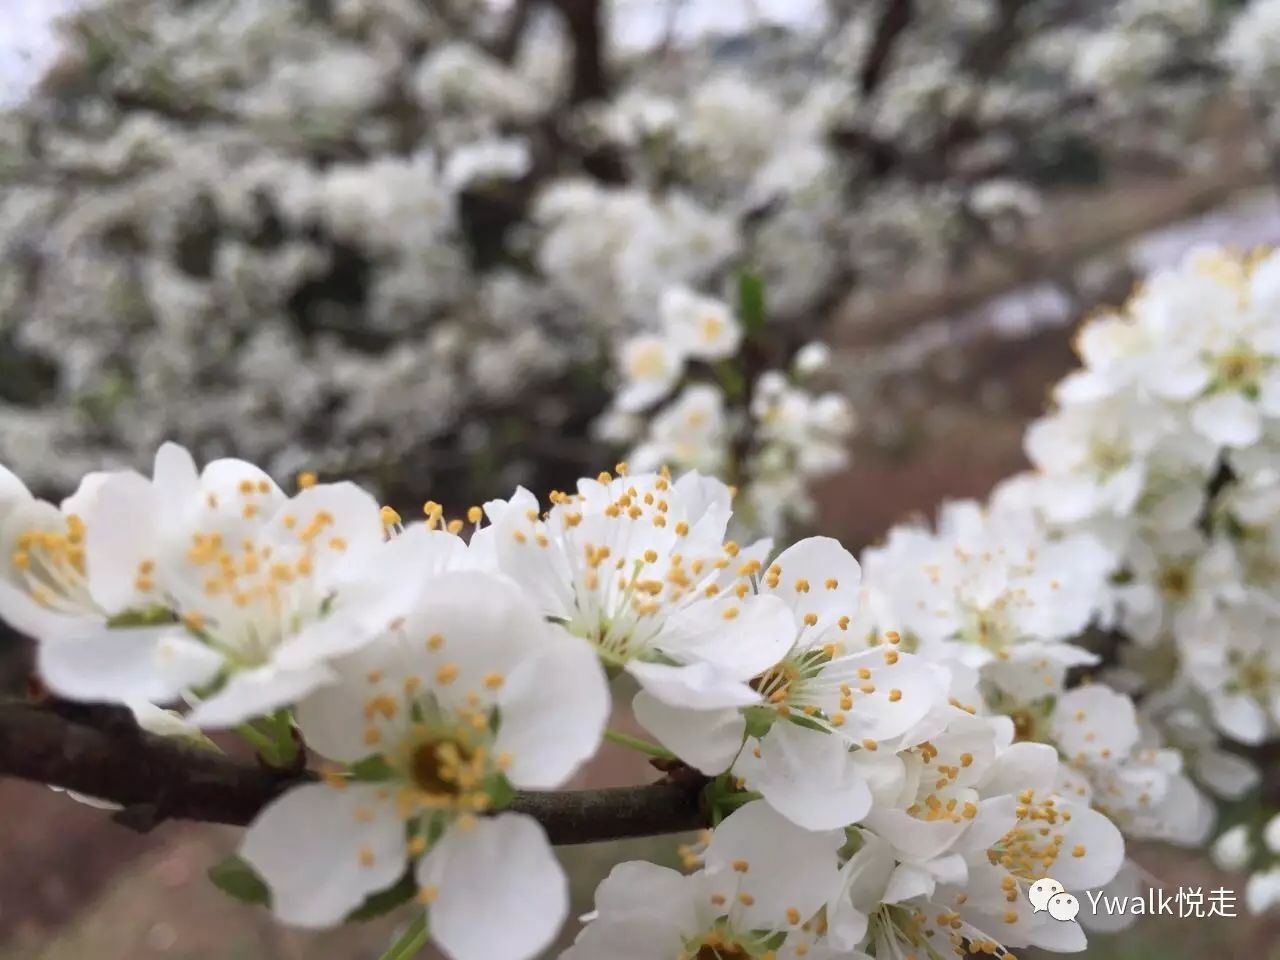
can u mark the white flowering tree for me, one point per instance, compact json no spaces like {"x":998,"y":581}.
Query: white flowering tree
{"x":453,"y":247}
{"x":449,"y":221}
{"x":881,"y":755}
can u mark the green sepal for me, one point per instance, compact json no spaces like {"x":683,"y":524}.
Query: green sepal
{"x":759,"y":721}
{"x":500,"y":791}
{"x":372,"y":769}
{"x":237,"y":879}
{"x":384,"y":901}
{"x":153,"y":616}
{"x":801,"y":720}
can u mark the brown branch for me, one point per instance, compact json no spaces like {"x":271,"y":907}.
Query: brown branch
{"x":157,"y":778}
{"x":991,"y":51}
{"x":513,"y":32}
{"x":894,"y":19}
{"x":585,"y":22}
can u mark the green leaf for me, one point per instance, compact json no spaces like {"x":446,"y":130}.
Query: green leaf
{"x":384,"y":901}
{"x":237,"y":879}
{"x":751,"y":305}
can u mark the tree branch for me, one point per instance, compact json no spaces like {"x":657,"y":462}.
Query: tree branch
{"x":513,"y":32}
{"x":158,"y":778}
{"x":585,"y":22}
{"x":894,"y":19}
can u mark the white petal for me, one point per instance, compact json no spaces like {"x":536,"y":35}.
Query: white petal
{"x":818,"y":576}
{"x":904,"y":693}
{"x":21,"y":612}
{"x":1241,"y":717}
{"x":332,"y":718}
{"x":863,"y":881}
{"x":1095,"y":723}
{"x":255,"y":693}
{"x":907,"y":881}
{"x":700,"y":684}
{"x":640,"y":887}
{"x":176,"y":480}
{"x":322,"y":851}
{"x":116,"y":666}
{"x":357,"y":520}
{"x":543,"y":572}
{"x":1127,"y":883}
{"x":1021,"y":766}
{"x":1227,"y":775}
{"x":807,"y":776}
{"x":1100,"y":842}
{"x":1228,"y":419}
{"x":1179,"y":376}
{"x":502,"y":894}
{"x":996,"y":816}
{"x":705,"y":739}
{"x":647,"y":937}
{"x":761,"y":634}
{"x":916,"y":839}
{"x":120,"y":533}
{"x":787,"y":866}
{"x":1060,"y":937}
{"x":553,"y":707}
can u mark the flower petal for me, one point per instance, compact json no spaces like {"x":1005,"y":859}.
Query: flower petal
{"x":117,"y":666}
{"x":787,"y":866}
{"x":322,"y":851}
{"x":554,"y":707}
{"x":817,"y":576}
{"x":501,"y":892}
{"x":697,"y":683}
{"x":254,"y":693}
{"x":807,"y":776}
{"x":705,"y":739}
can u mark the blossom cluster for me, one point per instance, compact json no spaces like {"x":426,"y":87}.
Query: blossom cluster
{"x":689,"y":398}
{"x":441,"y":239}
{"x":870,"y":795}
{"x":1162,"y":448}
{"x":894,"y":749}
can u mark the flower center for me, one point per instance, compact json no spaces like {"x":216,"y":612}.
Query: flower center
{"x":722,"y":951}
{"x":1239,"y":369}
{"x":443,"y":767}
{"x":1029,"y":850}
{"x":1108,"y":457}
{"x":1174,"y":581}
{"x":775,"y":683}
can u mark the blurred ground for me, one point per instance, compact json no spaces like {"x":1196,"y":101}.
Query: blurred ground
{"x":77,"y":886}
